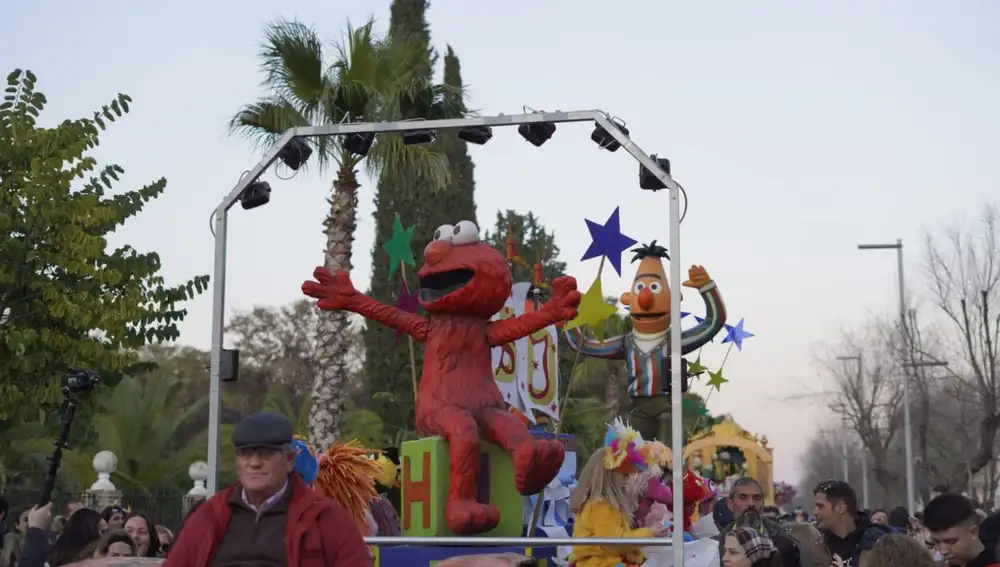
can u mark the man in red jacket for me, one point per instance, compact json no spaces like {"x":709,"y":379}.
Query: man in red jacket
{"x":269,"y":517}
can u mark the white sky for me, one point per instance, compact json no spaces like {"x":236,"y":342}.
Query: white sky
{"x":799,"y":129}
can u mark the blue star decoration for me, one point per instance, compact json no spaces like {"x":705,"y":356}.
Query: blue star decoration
{"x":736,"y":335}
{"x":608,"y":241}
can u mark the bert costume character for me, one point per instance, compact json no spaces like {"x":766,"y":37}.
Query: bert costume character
{"x":463,"y":283}
{"x":269,"y":517}
{"x":646,"y":349}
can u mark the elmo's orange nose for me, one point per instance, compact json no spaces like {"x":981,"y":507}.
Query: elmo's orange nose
{"x":437,"y":251}
{"x":645,"y":298}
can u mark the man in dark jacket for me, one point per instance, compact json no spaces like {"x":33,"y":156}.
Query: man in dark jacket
{"x":846,"y":531}
{"x":746,"y":503}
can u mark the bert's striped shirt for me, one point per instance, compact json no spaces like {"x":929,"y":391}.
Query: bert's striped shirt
{"x":646,"y":358}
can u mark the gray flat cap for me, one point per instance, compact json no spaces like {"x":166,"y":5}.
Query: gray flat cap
{"x":263,"y":429}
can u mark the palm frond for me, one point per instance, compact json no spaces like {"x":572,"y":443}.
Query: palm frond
{"x":264,"y":121}
{"x":293,"y":65}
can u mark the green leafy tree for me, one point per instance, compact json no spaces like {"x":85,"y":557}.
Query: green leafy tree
{"x":66,"y":299}
{"x":141,"y":423}
{"x":365,"y":78}
{"x":388,"y":370}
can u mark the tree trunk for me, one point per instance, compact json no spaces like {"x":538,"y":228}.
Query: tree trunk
{"x":332,"y":369}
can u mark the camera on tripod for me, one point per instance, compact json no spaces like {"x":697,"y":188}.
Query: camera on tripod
{"x":80,"y":382}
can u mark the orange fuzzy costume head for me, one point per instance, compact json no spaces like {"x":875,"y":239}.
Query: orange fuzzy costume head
{"x":347,"y":475}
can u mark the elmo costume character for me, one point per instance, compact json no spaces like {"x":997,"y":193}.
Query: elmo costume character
{"x":696,"y":491}
{"x":463,"y":283}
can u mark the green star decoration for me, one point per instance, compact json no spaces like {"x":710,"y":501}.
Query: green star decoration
{"x":716,"y":379}
{"x":593,"y":310}
{"x":696,"y":368}
{"x":694,"y":406}
{"x":398,"y":246}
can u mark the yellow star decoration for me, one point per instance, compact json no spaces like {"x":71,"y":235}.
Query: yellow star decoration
{"x":696,"y":368}
{"x":716,"y":380}
{"x":593,"y":310}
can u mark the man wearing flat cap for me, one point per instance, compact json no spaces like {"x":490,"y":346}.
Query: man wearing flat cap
{"x":270,"y":516}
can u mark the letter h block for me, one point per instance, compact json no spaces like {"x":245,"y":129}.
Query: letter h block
{"x":424,"y":488}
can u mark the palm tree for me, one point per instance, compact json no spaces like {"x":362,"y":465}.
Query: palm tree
{"x":365,"y":78}
{"x":141,"y":423}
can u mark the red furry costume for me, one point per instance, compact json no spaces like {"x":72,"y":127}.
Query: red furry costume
{"x":463,"y":283}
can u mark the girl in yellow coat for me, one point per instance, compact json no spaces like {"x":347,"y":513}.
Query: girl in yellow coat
{"x":607,"y":496}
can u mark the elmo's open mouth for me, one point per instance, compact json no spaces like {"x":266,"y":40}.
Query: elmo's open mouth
{"x":647,"y":316}
{"x":434,"y":286}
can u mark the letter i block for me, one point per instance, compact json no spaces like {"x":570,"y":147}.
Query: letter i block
{"x":424,"y":490}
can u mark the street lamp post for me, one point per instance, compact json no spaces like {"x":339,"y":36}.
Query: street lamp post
{"x":904,"y":335}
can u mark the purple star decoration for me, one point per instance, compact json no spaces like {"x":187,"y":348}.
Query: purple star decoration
{"x":607,"y":240}
{"x":405,"y":301}
{"x":736,"y":335}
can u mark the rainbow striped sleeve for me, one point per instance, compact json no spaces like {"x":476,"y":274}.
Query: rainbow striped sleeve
{"x":715,"y":319}
{"x":611,"y":348}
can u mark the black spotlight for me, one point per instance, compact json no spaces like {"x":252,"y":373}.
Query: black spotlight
{"x":649,"y":181}
{"x":295,"y":154}
{"x":419,"y":137}
{"x":255,"y":195}
{"x":359,"y":144}
{"x":537,"y":133}
{"x":478,"y":135}
{"x":607,"y":141}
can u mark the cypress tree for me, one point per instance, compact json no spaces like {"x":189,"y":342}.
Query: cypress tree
{"x":387,"y":363}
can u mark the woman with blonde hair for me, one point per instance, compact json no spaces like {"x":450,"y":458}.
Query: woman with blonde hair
{"x":896,"y":550}
{"x":607,"y":496}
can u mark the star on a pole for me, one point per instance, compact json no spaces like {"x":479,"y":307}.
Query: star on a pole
{"x":716,"y":380}
{"x":405,"y":301}
{"x":607,"y":240}
{"x":398,"y":246}
{"x":696,"y":368}
{"x":736,"y":335}
{"x":694,"y":405}
{"x":593,"y":310}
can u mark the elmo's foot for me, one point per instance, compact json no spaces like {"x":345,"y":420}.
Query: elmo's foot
{"x":536,"y":463}
{"x":468,"y":517}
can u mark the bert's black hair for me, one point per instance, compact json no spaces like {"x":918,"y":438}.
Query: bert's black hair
{"x":651,"y":250}
{"x":947,"y":511}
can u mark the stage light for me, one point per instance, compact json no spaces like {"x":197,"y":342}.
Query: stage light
{"x":478,"y":135}
{"x":419,"y":137}
{"x":359,"y":144}
{"x":295,"y":154}
{"x":255,"y":195}
{"x":537,"y":133}
{"x":649,"y":181}
{"x":607,"y":141}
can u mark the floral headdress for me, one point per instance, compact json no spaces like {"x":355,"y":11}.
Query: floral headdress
{"x":624,"y":449}
{"x":658,"y":453}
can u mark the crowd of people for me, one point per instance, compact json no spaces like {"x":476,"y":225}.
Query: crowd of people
{"x":612,"y":501}
{"x":272,"y":516}
{"x":35,"y":537}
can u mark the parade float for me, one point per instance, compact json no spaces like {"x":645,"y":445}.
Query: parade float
{"x":470,"y":479}
{"x":493,"y":462}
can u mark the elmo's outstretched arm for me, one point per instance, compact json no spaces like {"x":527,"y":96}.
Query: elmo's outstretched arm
{"x":561,"y":307}
{"x":335,"y":292}
{"x":410,"y":323}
